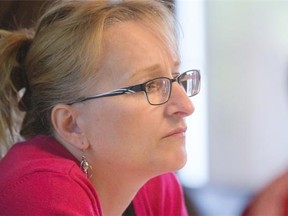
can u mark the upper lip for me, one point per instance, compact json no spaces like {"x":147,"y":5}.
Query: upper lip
{"x":176,"y":131}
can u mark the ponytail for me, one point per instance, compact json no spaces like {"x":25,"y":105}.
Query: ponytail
{"x":14,"y":88}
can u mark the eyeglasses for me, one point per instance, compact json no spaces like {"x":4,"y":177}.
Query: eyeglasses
{"x":157,"y":90}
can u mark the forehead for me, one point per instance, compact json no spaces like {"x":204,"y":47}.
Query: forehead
{"x":131,"y":47}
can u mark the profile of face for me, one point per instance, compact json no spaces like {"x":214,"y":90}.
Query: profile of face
{"x":127,"y":134}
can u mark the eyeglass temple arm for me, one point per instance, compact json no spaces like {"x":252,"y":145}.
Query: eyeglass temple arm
{"x":106,"y":94}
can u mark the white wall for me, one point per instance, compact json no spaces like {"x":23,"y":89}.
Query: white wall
{"x":190,"y":15}
{"x":247,"y":72}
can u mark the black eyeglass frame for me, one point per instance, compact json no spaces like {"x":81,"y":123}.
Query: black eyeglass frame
{"x":141,"y":87}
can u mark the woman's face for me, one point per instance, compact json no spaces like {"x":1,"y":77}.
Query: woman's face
{"x":126,"y":133}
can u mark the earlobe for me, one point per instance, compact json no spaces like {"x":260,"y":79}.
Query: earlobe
{"x":64,"y":120}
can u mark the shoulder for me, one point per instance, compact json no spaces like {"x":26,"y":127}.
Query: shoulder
{"x":49,"y":193}
{"x":40,"y":154}
{"x":162,"y":195}
{"x":40,"y":177}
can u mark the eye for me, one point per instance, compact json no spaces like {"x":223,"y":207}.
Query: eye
{"x":154,"y":85}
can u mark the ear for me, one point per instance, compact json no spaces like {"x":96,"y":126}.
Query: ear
{"x":64,"y":120}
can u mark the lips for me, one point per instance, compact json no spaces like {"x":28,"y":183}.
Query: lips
{"x":177,"y":132}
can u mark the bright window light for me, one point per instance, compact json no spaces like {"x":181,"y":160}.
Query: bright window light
{"x":190,"y":14}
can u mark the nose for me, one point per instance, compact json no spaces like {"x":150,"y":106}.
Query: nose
{"x":179,"y":103}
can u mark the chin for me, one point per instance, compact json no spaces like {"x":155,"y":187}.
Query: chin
{"x":180,"y":163}
{"x":172,"y":168}
{"x":170,"y":158}
{"x":178,"y":157}
{"x":176,"y":161}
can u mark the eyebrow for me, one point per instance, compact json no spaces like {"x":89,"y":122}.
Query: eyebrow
{"x":143,"y":73}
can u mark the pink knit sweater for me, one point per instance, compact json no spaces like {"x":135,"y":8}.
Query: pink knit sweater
{"x":40,"y":177}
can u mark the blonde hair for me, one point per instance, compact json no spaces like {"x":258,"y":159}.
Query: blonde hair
{"x":57,"y":62}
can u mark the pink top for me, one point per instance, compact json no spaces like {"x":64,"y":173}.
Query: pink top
{"x":40,"y":177}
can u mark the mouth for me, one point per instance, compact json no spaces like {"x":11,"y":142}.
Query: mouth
{"x":177,"y":132}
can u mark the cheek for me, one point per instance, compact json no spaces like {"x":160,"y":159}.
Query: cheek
{"x":120,"y":139}
{"x":129,"y":127}
{"x":116,"y":125}
{"x":130,"y":139}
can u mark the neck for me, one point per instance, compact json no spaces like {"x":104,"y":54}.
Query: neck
{"x":115,"y":191}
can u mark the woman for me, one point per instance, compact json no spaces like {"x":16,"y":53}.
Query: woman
{"x":104,"y":112}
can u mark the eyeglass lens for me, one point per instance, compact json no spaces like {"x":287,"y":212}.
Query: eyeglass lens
{"x":190,"y":81}
{"x":158,"y":90}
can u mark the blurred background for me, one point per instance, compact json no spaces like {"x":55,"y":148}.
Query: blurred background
{"x":238,"y":136}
